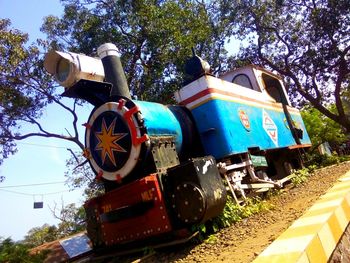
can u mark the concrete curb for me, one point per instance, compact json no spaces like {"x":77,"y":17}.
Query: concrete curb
{"x":314,"y":236}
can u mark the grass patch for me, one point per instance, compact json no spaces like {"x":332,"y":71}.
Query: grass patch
{"x":302,"y":175}
{"x":231,"y":214}
{"x":319,"y":160}
{"x":234,"y":213}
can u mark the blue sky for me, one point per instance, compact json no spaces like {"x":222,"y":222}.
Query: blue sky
{"x":38,"y":160}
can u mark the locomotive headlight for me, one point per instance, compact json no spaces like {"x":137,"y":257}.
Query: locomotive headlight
{"x":68,"y":67}
{"x":62,"y":70}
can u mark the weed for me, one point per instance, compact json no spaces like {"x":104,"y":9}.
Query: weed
{"x":273,"y":192}
{"x":212,"y":239}
{"x":231,"y":214}
{"x":300,"y":176}
{"x":202,"y":232}
{"x":319,"y":160}
{"x":148,"y":251}
{"x":312,"y":168}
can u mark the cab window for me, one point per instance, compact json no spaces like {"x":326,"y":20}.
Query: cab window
{"x":274,"y":88}
{"x":242,"y":80}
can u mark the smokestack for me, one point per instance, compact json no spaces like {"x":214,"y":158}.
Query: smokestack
{"x":114,"y":72}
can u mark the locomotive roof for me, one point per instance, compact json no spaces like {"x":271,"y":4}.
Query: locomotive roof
{"x":251,"y":66}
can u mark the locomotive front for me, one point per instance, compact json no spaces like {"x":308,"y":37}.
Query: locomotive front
{"x":142,"y":152}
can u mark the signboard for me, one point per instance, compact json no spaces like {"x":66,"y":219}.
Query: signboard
{"x":270,"y":127}
{"x":38,"y":205}
{"x":258,"y":160}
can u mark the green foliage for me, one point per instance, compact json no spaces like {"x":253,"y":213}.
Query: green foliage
{"x":345,"y":158}
{"x":307,"y":42}
{"x":300,"y":176}
{"x":155,"y":38}
{"x":312,"y":168}
{"x":12,"y":252}
{"x":72,"y":219}
{"x":202,"y":232}
{"x":231,"y":214}
{"x":345,"y":96}
{"x":15,"y":70}
{"x":25,"y":91}
{"x":148,"y":251}
{"x":321,"y":160}
{"x":316,"y":161}
{"x":80,"y":176}
{"x":254,"y":205}
{"x":320,"y":128}
{"x":211,"y":239}
{"x":40,"y":235}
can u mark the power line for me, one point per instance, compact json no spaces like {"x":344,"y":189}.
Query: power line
{"x":42,"y":145}
{"x":29,"y":194}
{"x":47,"y":146}
{"x":25,"y":185}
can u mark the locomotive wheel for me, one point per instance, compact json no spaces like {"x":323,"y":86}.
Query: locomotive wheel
{"x":189,"y":202}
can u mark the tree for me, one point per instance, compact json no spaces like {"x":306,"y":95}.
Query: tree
{"x":72,"y":219}
{"x":25,"y":91}
{"x":13,"y":101}
{"x":12,"y":252}
{"x":154,"y":36}
{"x":308,"y":42}
{"x":322,"y":129}
{"x":40,"y":235}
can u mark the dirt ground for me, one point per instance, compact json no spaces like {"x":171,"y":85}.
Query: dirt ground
{"x":243,"y":241}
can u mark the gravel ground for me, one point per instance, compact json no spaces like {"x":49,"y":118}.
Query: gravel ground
{"x":243,"y":241}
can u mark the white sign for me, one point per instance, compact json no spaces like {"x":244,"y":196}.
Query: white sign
{"x":270,"y":127}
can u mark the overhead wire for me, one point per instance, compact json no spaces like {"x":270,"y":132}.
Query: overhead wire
{"x":46,"y":145}
{"x":26,"y":185}
{"x":31,"y":194}
{"x":2,"y":188}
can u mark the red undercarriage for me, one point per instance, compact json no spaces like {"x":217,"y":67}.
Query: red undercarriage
{"x":132,"y":212}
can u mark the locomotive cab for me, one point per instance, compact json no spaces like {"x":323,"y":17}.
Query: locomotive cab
{"x":258,"y":79}
{"x":246,"y":121}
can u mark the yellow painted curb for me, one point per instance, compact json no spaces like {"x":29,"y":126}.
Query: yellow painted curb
{"x":314,"y":236}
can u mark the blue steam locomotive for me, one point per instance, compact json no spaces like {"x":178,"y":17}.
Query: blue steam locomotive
{"x":166,"y":168}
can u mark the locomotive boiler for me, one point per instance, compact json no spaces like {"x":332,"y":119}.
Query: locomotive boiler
{"x":166,"y":168}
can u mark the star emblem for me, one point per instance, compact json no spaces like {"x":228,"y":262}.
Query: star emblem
{"x":108,"y":142}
